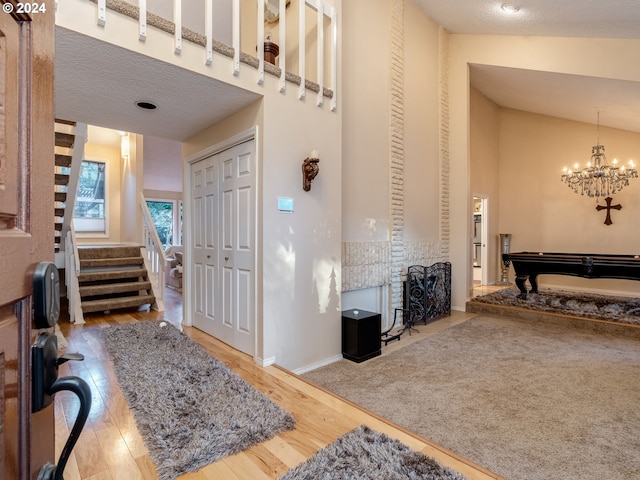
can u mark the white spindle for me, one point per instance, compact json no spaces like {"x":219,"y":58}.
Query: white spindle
{"x":302,"y":27}
{"x":320,"y":98}
{"x":236,"y":37}
{"x":283,"y":46}
{"x":208,"y":25}
{"x":177,"y":20}
{"x":142,"y":19}
{"x":260,"y":41}
{"x":334,"y":57}
{"x":102,"y":12}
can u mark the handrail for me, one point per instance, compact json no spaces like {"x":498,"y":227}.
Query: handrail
{"x":153,"y":254}
{"x":72,"y":270}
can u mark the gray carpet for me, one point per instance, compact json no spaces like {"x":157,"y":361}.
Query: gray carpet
{"x":526,"y":400}
{"x":601,"y":307}
{"x":364,"y":454}
{"x":190,"y":409}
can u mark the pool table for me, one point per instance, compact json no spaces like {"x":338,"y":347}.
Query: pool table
{"x":528,"y":265}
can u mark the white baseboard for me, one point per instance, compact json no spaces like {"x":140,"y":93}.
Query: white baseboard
{"x":321,"y":363}
{"x":265,"y":362}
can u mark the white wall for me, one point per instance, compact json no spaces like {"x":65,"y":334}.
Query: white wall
{"x":299,"y":298}
{"x":162,"y":164}
{"x":370,"y":122}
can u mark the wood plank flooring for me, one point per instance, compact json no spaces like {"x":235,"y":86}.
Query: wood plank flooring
{"x":111,"y":447}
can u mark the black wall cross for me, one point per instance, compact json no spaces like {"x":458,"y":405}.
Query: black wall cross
{"x":607,"y":221}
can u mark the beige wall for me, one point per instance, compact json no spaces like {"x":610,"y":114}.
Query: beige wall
{"x":542,"y":213}
{"x":484,"y":124}
{"x":366,"y":121}
{"x":421,"y":116}
{"x":615,"y":59}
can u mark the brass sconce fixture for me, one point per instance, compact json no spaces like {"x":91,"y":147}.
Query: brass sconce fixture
{"x":310,"y":169}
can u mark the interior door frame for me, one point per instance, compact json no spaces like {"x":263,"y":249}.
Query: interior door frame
{"x":242,"y":137}
{"x":484,"y":239}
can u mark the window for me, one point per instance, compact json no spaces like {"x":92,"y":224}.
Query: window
{"x":162,"y":212}
{"x":90,"y":213}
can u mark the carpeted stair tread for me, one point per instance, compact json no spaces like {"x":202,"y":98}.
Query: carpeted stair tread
{"x":111,"y":262}
{"x":115,"y":303}
{"x":108,"y":252}
{"x":111,"y":288}
{"x":99,"y":275}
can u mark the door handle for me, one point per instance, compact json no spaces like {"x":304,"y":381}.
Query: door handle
{"x":45,"y":384}
{"x":45,"y":362}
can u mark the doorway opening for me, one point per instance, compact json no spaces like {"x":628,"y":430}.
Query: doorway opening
{"x":479,"y":240}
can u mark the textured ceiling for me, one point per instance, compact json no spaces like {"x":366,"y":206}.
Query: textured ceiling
{"x":555,"y":18}
{"x":566,"y":96}
{"x":99,"y":83}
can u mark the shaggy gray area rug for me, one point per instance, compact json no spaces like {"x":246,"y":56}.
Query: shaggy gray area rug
{"x":190,"y":408}
{"x":526,"y":400}
{"x":588,"y":305}
{"x":364,"y":454}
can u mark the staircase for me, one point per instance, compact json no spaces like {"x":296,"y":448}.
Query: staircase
{"x":64,"y":142}
{"x":113,"y":277}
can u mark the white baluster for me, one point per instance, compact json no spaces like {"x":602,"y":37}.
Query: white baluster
{"x":283,"y":46}
{"x":102,"y":12}
{"x":177,"y":20}
{"x":208,"y":26}
{"x":320,"y":49}
{"x":236,"y":37}
{"x":334,"y":58}
{"x":142,"y":18}
{"x":302,"y":26}
{"x":260,"y":41}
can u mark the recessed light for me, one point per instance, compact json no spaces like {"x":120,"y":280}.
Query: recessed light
{"x":510,"y":8}
{"x":147,"y":105}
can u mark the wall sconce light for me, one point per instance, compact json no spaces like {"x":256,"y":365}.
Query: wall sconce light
{"x":310,"y":169}
{"x":124,"y":146}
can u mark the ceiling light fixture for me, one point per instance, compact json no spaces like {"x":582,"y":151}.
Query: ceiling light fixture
{"x":147,"y":105}
{"x":598,"y":179}
{"x":510,"y":8}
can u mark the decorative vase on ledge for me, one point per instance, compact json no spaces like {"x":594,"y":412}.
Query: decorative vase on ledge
{"x":505,"y":245}
{"x":271,"y":51}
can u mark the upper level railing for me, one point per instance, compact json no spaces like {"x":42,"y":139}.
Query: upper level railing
{"x":306,"y":35}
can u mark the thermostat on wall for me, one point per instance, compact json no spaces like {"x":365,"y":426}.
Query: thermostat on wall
{"x":285,"y":204}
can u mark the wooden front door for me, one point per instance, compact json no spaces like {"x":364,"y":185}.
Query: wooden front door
{"x":26,"y":227}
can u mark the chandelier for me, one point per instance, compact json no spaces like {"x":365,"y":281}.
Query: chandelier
{"x":598,"y":179}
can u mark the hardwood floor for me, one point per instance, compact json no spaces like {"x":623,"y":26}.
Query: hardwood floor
{"x":110,"y":446}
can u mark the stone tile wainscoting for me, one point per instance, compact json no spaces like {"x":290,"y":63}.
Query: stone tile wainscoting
{"x":369,"y":264}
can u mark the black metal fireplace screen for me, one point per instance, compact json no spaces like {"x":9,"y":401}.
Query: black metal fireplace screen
{"x":427,"y":292}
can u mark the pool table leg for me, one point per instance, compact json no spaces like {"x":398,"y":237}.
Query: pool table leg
{"x":533,"y":280}
{"x":520,"y":279}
